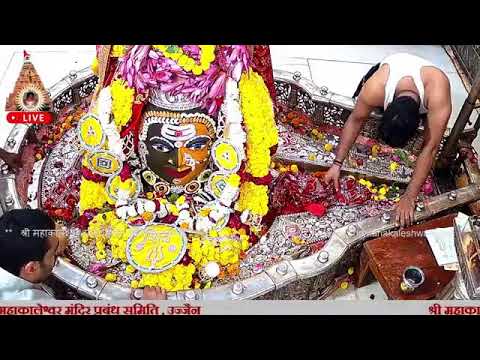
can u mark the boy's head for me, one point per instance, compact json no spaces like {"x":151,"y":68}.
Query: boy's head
{"x":27,"y":250}
{"x":400,"y":121}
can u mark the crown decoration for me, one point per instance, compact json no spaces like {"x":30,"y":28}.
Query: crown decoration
{"x":165,"y":117}
{"x":166,"y":101}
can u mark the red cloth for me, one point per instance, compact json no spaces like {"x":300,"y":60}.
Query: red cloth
{"x":134,"y":124}
{"x":111,"y":67}
{"x":262,"y":64}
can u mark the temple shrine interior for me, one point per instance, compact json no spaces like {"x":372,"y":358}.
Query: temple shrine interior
{"x":201,"y":169}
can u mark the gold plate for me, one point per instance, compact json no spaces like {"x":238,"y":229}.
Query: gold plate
{"x":90,"y":132}
{"x":104,"y":163}
{"x":156,"y":248}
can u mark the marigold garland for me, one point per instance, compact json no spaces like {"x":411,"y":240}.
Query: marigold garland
{"x":253,"y":198}
{"x":129,"y":185}
{"x":176,"y":53}
{"x":233,"y":180}
{"x":118,"y":51}
{"x":122,"y":102}
{"x":92,"y":195}
{"x":226,"y":250}
{"x":175,"y":279}
{"x":258,"y":115}
{"x":106,"y":228}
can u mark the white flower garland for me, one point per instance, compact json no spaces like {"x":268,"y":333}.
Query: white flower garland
{"x":104,"y":111}
{"x":233,"y":114}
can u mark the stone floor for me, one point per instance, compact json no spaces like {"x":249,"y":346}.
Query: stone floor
{"x":371,"y":291}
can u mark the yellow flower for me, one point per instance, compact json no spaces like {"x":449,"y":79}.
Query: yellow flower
{"x":294,"y":168}
{"x":134,"y":284}
{"x":362,"y":182}
{"x":393,"y":166}
{"x":100,"y":245}
{"x":245,"y":244}
{"x":101,"y":255}
{"x":84,"y":238}
{"x":297,"y":240}
{"x":213,"y":233}
{"x":207,"y":55}
{"x":351,"y":270}
{"x":312,"y":157}
{"x":149,"y":195}
{"x":122,"y":102}
{"x":130,"y":269}
{"x":175,"y":279}
{"x":111,"y":277}
{"x":226,"y":231}
{"x":92,"y":195}
{"x":175,"y":56}
{"x":375,"y":150}
{"x":189,"y":64}
{"x":382,"y":191}
{"x":148,"y":216}
{"x":182,"y":61}
{"x":344,"y":285}
{"x":328,"y":147}
{"x":259,"y":121}
{"x":118,"y":51}
{"x":315,"y":132}
{"x":253,"y":198}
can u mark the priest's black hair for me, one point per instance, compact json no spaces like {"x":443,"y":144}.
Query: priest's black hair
{"x":17,"y":246}
{"x":400,"y":121}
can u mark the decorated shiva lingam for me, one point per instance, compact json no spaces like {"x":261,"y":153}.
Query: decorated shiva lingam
{"x":175,"y":162}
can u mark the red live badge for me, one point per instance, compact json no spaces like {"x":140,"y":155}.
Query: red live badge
{"x":29,"y":117}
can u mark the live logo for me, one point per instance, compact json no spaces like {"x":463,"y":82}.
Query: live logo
{"x":29,"y":117}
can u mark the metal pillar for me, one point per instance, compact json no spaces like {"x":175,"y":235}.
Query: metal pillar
{"x":462,"y":120}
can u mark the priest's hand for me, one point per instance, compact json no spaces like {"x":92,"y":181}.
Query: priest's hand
{"x":405,"y":210}
{"x":62,"y":237}
{"x":154,"y":293}
{"x":333,"y":175}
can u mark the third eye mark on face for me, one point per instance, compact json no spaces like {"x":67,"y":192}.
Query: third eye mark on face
{"x":165,"y":146}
